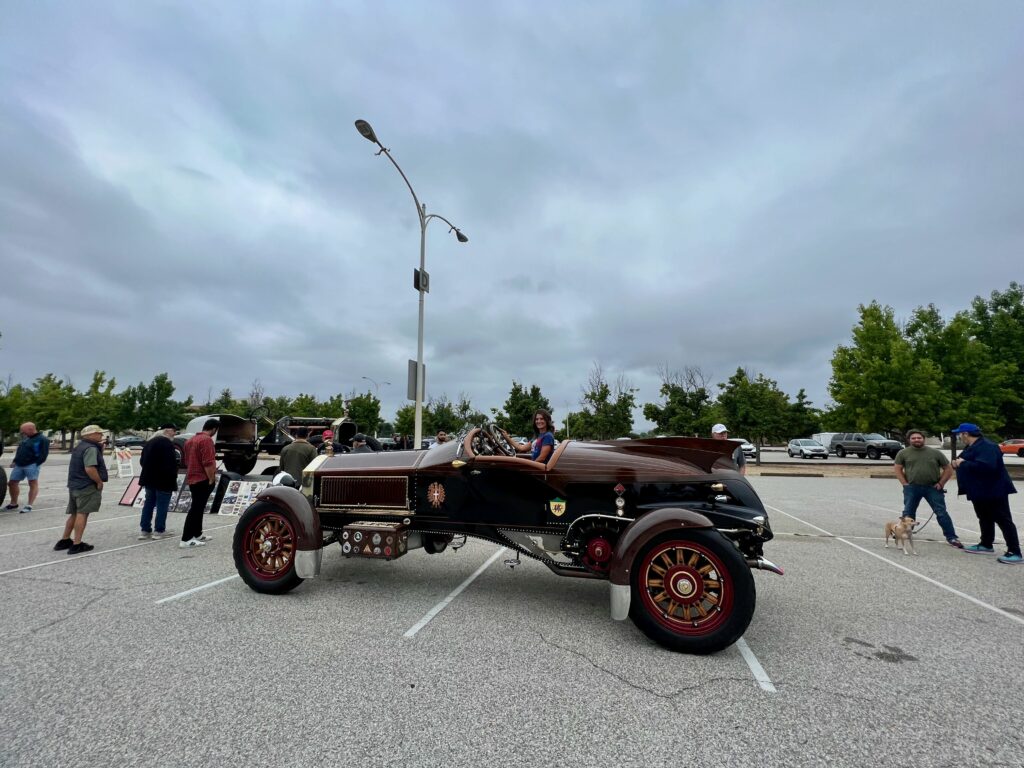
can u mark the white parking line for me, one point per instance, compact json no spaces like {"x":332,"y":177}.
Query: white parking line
{"x":196,"y":589}
{"x":912,"y":572}
{"x":888,"y":509}
{"x":94,"y":553}
{"x":60,"y":527}
{"x":411,"y":632}
{"x":755,"y":666}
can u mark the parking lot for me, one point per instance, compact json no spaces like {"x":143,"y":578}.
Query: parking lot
{"x":140,"y":653}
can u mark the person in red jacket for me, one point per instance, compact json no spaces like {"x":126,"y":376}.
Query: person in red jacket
{"x":201,"y":466}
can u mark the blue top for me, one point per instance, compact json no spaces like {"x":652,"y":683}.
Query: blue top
{"x":982,"y":474}
{"x":546,"y":438}
{"x":32,"y":450}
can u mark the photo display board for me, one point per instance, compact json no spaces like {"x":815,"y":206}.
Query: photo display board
{"x":239,"y":494}
{"x":132,"y":494}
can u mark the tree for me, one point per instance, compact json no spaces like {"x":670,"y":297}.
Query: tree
{"x":155,"y":404}
{"x":999,"y":324}
{"x":687,"y":408}
{"x":364,"y":410}
{"x":52,"y":406}
{"x":405,"y":420}
{"x":225,"y":403}
{"x":521,"y":405}
{"x":803,"y":419}
{"x":607,"y":410}
{"x":257,"y":394}
{"x":755,"y":408}
{"x":466,"y":414}
{"x":306,"y":405}
{"x":879,"y":381}
{"x":439,"y":415}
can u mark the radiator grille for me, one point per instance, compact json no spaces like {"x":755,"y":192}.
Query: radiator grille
{"x":390,"y":492}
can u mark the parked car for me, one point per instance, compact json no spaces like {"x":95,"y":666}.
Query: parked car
{"x":806,"y":449}
{"x":748,"y":448}
{"x":869,"y":445}
{"x":668,"y":522}
{"x":129,"y":441}
{"x":1014,"y":447}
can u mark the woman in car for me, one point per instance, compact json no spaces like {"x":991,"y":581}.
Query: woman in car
{"x":543,"y":443}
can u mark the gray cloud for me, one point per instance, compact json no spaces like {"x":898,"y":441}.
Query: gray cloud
{"x":183,"y":188}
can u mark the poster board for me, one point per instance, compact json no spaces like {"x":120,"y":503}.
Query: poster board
{"x":239,"y":494}
{"x":123,"y":462}
{"x":182,"y":500}
{"x":131,"y":494}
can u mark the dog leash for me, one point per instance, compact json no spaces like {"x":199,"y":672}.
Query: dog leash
{"x":917,"y":527}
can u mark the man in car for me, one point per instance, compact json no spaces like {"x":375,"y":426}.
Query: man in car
{"x":32,"y":452}
{"x":923,"y":472}
{"x":721,"y":432}
{"x":296,"y":456}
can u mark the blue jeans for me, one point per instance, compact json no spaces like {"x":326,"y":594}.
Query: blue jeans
{"x":161,"y":500}
{"x":912,"y":495}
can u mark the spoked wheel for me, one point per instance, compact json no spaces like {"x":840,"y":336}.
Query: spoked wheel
{"x":692,"y":592}
{"x":264,"y":548}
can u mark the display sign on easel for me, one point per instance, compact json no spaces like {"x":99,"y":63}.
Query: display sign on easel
{"x":182,"y":502}
{"x":239,"y":494}
{"x":132,"y":494}
{"x":123,"y":461}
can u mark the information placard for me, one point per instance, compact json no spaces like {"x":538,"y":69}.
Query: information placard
{"x":239,"y":494}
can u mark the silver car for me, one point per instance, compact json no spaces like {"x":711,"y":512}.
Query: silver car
{"x":807,"y":449}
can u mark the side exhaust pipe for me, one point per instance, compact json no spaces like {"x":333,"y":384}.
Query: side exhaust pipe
{"x":764,"y":565}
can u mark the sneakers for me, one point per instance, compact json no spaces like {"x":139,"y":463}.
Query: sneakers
{"x":955,"y":543}
{"x":191,"y":543}
{"x":1011,"y":559}
{"x":62,"y":544}
{"x":26,"y":508}
{"x":978,"y":549}
{"x":145,"y":535}
{"x":162,"y":534}
{"x":204,"y":538}
{"x":10,"y":507}
{"x":77,"y":549}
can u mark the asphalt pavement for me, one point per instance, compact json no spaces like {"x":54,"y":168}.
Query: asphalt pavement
{"x":143,"y":654}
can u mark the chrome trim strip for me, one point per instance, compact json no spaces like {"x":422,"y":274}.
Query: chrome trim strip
{"x":620,"y":597}
{"x":307,"y":563}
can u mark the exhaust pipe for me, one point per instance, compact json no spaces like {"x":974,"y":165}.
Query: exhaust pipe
{"x":764,"y":565}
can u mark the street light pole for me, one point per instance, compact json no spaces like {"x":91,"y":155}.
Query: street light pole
{"x":421,"y":212}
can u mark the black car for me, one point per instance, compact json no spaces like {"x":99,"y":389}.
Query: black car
{"x":129,"y":441}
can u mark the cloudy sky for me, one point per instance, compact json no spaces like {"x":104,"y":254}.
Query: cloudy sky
{"x":644,"y":185}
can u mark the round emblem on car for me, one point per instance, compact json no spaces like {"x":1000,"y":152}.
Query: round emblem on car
{"x":376,"y":538}
{"x":357,"y":536}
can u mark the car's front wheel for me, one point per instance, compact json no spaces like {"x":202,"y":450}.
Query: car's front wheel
{"x":265,"y":545}
{"x":1021,"y":453}
{"x":841,"y":452}
{"x":692,"y":591}
{"x":873,"y":454}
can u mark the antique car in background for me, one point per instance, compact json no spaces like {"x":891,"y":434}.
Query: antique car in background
{"x":669,"y":522}
{"x":1013,"y":447}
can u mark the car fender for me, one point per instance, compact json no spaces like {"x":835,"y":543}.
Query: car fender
{"x":308,"y":534}
{"x":636,"y":535}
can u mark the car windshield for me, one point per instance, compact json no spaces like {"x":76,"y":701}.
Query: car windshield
{"x":812,"y":443}
{"x":875,"y":436}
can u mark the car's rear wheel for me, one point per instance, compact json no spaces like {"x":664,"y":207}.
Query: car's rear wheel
{"x":790,"y":454}
{"x":692,"y":592}
{"x":1021,"y":453}
{"x":265,"y":545}
{"x":873,"y":454}
{"x":240,"y":462}
{"x":840,"y":452}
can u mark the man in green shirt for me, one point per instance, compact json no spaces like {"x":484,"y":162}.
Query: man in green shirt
{"x":297,"y":454}
{"x":923,"y":472}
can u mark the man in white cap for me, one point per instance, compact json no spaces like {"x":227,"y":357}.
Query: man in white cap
{"x":87,"y":472}
{"x":721,"y":432}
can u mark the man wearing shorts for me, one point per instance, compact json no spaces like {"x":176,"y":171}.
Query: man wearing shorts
{"x":87,"y":472}
{"x":32,"y":452}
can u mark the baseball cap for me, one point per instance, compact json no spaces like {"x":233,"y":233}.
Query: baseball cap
{"x":170,"y":426}
{"x":719,"y":428}
{"x":328,"y":433}
{"x":91,"y":429}
{"x":359,"y":437}
{"x":967,"y":427}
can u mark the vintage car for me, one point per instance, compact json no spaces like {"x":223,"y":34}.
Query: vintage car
{"x":669,"y":522}
{"x":1013,"y":447}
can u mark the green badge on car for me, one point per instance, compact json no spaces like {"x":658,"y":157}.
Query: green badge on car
{"x":557,"y":507}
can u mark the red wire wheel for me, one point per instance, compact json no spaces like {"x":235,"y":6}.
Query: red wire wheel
{"x":692,"y":591}
{"x":264,"y":547}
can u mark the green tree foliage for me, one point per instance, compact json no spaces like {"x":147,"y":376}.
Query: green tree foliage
{"x":155,"y":405}
{"x":226,"y":403}
{"x":754,"y":408}
{"x":364,"y":410}
{"x":14,"y":409}
{"x":466,"y":414}
{"x":439,"y":414}
{"x":607,"y":410}
{"x":522,"y":403}
{"x":688,"y":404}
{"x":405,"y":420}
{"x":999,"y":324}
{"x":804,"y":420}
{"x":881,"y":383}
{"x":307,"y":405}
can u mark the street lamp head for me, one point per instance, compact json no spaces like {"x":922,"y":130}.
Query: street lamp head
{"x":461,"y":237}
{"x":366,"y":131}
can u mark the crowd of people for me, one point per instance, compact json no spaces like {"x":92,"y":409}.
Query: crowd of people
{"x":922,"y":471}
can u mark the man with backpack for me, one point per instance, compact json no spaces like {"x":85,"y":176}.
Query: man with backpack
{"x":30,"y":456}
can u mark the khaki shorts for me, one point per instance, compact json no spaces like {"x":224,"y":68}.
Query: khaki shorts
{"x":84,"y":500}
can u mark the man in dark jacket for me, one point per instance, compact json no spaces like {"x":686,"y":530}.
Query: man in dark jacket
{"x":981,"y":475}
{"x":159,"y":479}
{"x":32,"y":452}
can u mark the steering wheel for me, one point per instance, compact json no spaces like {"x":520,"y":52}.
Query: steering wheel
{"x":498,"y":439}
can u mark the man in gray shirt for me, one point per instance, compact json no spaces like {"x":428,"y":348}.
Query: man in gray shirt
{"x":296,"y":456}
